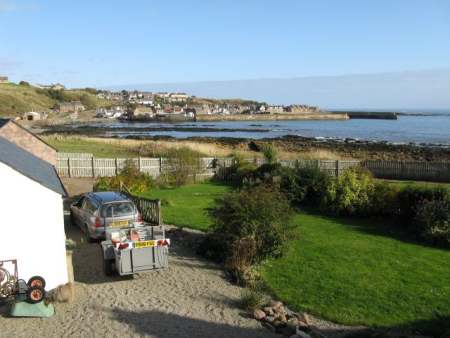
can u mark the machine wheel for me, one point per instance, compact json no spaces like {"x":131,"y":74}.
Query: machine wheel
{"x":35,"y":294}
{"x":108,"y":267}
{"x":36,"y":281}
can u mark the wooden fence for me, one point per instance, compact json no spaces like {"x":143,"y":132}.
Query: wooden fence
{"x":79,"y":166}
{"x":85,"y":165}
{"x":410,"y":170}
{"x":150,"y":209}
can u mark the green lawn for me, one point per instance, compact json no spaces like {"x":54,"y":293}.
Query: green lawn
{"x":345,"y":270}
{"x":186,"y":205}
{"x":341,"y":271}
{"x":403,"y":184}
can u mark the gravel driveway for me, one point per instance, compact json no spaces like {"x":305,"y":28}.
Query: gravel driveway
{"x":189,"y":299}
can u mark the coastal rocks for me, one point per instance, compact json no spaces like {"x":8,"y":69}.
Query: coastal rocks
{"x":279,"y":319}
{"x":259,"y":314}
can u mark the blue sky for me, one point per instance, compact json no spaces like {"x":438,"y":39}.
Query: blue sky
{"x":104,"y":43}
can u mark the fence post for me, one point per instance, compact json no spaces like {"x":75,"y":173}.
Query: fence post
{"x":139,"y":164}
{"x":160,"y":166}
{"x":337,"y":168}
{"x":93,"y":167}
{"x":159,"y":213}
{"x":116,"y":166}
{"x":69,"y":167}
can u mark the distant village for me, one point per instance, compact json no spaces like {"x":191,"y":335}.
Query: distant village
{"x":141,"y":105}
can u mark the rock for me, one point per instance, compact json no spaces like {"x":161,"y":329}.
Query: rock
{"x":259,"y":314}
{"x":290,"y":313}
{"x":275,"y":304}
{"x":279,"y":309}
{"x":293,"y":322}
{"x":304,"y":317}
{"x":268,"y":310}
{"x":269,"y":319}
{"x":281,"y":317}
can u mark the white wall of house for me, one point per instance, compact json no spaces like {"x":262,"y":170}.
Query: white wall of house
{"x":32,"y":228}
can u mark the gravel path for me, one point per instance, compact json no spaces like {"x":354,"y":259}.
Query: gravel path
{"x":189,"y":299}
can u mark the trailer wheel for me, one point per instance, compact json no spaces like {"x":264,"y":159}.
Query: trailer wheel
{"x":35,"y":294}
{"x":108,"y":267}
{"x":36,"y":281}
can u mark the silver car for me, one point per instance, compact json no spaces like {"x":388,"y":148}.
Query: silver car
{"x":96,"y":211}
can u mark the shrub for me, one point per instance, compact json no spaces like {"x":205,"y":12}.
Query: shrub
{"x":350,"y":193}
{"x":270,"y":153}
{"x":384,"y":200}
{"x":241,"y":171}
{"x":251,"y":299}
{"x":130,"y":176}
{"x":250,"y":226}
{"x":411,"y":197}
{"x":305,"y":186}
{"x":432,"y":221}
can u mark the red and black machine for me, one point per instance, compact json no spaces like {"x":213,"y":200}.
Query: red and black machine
{"x":13,"y":288}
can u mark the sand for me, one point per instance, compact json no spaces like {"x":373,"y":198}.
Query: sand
{"x":191,"y":298}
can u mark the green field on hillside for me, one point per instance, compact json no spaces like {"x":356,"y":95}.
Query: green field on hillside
{"x":16,"y":99}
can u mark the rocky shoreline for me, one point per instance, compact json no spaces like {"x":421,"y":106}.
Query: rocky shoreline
{"x":342,"y":148}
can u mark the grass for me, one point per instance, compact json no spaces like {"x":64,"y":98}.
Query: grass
{"x":15,"y":99}
{"x":186,"y":206}
{"x":345,"y":270}
{"x":96,"y":147}
{"x":352,"y":272}
{"x":401,"y":184}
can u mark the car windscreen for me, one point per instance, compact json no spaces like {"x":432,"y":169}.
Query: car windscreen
{"x":119,"y":209}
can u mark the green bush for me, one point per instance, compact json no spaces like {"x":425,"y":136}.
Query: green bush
{"x":411,"y":197}
{"x":305,"y":186}
{"x":130,"y":176}
{"x":432,"y":220}
{"x":250,"y":226}
{"x":252,"y":298}
{"x":270,"y":153}
{"x":241,"y":172}
{"x":350,"y":193}
{"x":384,"y":200}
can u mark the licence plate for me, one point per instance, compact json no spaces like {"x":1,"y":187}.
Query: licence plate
{"x":144,"y":244}
{"x":119,"y":224}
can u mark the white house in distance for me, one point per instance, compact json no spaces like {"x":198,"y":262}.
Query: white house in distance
{"x":32,"y":215}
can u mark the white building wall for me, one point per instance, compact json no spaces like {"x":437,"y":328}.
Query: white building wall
{"x":32,"y":228}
